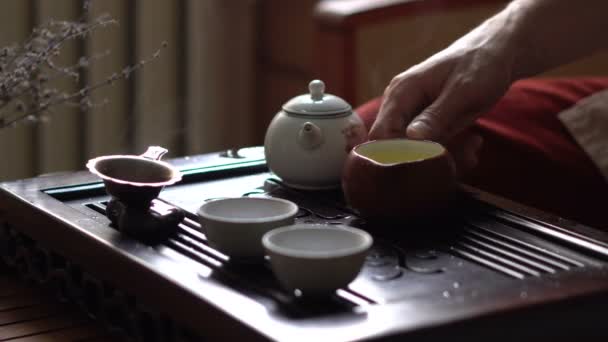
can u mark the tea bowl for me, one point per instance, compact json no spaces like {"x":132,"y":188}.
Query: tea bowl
{"x":235,"y":226}
{"x":316,"y":259}
{"x":397,"y":180}
{"x":135,"y":179}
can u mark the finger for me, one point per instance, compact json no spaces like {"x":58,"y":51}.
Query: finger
{"x":465,"y":149}
{"x":402,"y":101}
{"x":445,"y":117}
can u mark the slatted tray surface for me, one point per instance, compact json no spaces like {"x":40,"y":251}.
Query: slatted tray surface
{"x":458,"y":268}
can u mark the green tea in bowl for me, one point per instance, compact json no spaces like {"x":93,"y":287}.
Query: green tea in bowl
{"x":398,"y":179}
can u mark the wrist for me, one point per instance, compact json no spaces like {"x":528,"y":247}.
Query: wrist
{"x":543,"y":34}
{"x":515,"y":41}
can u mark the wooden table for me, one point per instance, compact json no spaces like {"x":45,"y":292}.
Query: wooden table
{"x":29,"y":313}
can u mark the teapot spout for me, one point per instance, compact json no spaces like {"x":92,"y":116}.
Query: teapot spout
{"x":310,"y":136}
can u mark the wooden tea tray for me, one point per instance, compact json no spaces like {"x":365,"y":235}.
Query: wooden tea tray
{"x":491,"y":268}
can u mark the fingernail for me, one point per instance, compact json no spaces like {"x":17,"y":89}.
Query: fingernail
{"x":419,"y":130}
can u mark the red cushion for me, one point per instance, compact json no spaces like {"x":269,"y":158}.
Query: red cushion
{"x":530,"y":157}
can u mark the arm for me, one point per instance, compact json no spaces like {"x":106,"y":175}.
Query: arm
{"x":550,"y":33}
{"x":440,"y":97}
{"x":340,"y":23}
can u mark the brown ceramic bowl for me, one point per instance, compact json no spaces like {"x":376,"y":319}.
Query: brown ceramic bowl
{"x":135,"y":180}
{"x":399,"y":179}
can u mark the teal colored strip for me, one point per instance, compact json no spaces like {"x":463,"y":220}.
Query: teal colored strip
{"x":81,"y":187}
{"x":213,"y":168}
{"x":185,"y":172}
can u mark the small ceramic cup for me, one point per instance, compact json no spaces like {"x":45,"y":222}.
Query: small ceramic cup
{"x":316,"y":259}
{"x":235,"y":226}
{"x":398,"y":179}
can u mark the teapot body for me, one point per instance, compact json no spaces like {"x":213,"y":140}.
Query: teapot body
{"x":308,"y":152}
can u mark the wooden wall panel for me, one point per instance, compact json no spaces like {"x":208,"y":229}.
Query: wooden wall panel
{"x":196,"y":137}
{"x":279,"y":87}
{"x":286,"y":56}
{"x":336,"y":58}
{"x":60,"y":139}
{"x":286,"y":33}
{"x":107,"y":126}
{"x":222,"y":81}
{"x":596,"y":65}
{"x":157,"y":121}
{"x":385,"y":49}
{"x":16,"y":144}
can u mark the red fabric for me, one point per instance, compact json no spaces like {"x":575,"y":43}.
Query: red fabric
{"x":529,"y":156}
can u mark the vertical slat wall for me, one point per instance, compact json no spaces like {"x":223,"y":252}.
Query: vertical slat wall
{"x":16,"y":144}
{"x":157,"y":121}
{"x":194,"y":104}
{"x":60,"y":139}
{"x":198,"y":96}
{"x":107,"y":125}
{"x":221,"y":74}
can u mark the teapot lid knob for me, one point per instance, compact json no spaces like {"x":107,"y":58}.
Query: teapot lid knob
{"x":317,"y":102}
{"x":317,"y":89}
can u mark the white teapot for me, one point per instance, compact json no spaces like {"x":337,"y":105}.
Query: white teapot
{"x":307,"y":142}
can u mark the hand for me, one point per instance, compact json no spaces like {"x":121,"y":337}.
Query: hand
{"x":441,"y":97}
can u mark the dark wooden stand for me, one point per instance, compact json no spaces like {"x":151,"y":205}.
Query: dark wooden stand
{"x":487,"y":269}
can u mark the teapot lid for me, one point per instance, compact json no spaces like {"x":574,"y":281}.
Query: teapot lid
{"x":317,"y":102}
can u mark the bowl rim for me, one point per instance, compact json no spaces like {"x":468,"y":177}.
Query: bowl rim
{"x":269,"y":245}
{"x":176,"y":175}
{"x":291,"y":212}
{"x":443,"y":153}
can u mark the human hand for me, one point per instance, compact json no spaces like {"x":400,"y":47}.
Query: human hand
{"x":441,"y":97}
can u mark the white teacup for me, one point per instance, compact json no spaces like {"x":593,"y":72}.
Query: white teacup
{"x":235,"y":226}
{"x":316,"y":259}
